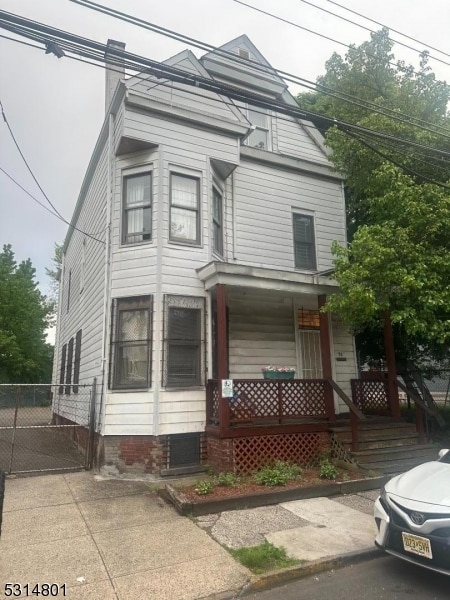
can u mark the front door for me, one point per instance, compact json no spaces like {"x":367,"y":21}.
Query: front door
{"x":308,"y":344}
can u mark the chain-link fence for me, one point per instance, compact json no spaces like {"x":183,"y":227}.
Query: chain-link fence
{"x":46,"y":428}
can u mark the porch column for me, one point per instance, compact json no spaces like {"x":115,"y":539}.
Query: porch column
{"x":394,"y":400}
{"x":222,"y":356}
{"x":325,"y":351}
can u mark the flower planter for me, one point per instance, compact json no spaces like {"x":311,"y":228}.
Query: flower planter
{"x":279,"y":374}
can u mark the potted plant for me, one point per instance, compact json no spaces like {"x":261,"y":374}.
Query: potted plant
{"x":271,"y":372}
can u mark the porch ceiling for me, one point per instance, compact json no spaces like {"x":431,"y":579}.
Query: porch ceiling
{"x":261,"y":278}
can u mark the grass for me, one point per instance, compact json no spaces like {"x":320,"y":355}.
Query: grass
{"x":265,"y":557}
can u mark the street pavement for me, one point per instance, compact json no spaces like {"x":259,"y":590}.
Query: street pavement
{"x":116,"y":539}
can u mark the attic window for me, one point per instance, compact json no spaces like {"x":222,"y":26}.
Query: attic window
{"x":244,"y":53}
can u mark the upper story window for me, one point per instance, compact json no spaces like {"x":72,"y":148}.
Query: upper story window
{"x":260,"y":137}
{"x":131,"y":343}
{"x":69,"y":286}
{"x":304,"y":242}
{"x":184,"y":209}
{"x":217,"y":221}
{"x":137,"y":208}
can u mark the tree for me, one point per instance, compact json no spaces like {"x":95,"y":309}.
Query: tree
{"x":25,"y":356}
{"x":397,"y":259}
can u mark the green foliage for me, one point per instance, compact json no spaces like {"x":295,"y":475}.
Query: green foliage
{"x":398,"y":259}
{"x":277,"y":474}
{"x":328,"y":470}
{"x":226,"y":479}
{"x":265,"y":557}
{"x":25,"y":313}
{"x":204,"y":487}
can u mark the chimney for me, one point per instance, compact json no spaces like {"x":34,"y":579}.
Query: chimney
{"x":115,"y":70}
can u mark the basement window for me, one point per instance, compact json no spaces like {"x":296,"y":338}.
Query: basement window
{"x":184,"y":450}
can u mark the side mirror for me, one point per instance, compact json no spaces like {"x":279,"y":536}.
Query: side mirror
{"x":443,"y":452}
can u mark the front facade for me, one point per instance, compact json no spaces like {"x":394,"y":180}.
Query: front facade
{"x":210,"y":225}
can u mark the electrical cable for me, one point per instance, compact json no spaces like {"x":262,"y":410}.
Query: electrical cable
{"x":96,"y":56}
{"x":387,"y":27}
{"x":372,"y":31}
{"x":393,"y":113}
{"x":58,"y":216}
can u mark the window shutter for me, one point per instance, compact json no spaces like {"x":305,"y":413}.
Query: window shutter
{"x":69,"y":366}
{"x":76,"y":364}
{"x":62,"y":372}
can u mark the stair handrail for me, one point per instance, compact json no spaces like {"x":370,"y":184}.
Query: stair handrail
{"x":429,"y":406}
{"x":355,"y":414}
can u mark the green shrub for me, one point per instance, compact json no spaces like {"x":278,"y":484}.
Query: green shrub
{"x":264,"y":557}
{"x":204,"y":487}
{"x":226,"y":479}
{"x":328,"y":470}
{"x":277,"y":474}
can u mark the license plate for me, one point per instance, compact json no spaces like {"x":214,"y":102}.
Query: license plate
{"x":417,"y":545}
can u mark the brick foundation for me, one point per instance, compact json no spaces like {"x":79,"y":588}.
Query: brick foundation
{"x":78,"y":433}
{"x":139,"y":453}
{"x":246,"y":454}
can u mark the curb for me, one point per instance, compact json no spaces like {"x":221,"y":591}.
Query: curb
{"x":278,"y":578}
{"x":185,"y":507}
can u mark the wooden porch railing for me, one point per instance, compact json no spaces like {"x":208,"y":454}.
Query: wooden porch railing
{"x":259,"y":401}
{"x":355,"y":414}
{"x":371,"y":396}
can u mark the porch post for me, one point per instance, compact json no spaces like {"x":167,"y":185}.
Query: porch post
{"x":325,"y":351}
{"x":394,"y":400}
{"x":222,"y":357}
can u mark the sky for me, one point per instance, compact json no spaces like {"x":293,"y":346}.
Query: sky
{"x":55,"y":107}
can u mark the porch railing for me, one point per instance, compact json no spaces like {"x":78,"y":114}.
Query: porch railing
{"x":259,"y":401}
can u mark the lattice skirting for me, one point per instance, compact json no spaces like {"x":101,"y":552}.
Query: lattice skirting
{"x":247,"y":454}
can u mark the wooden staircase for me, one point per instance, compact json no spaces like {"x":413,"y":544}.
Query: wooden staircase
{"x":385,"y":445}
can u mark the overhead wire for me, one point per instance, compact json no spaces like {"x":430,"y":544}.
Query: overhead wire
{"x":372,"y":31}
{"x":388,"y":27}
{"x":57,"y":215}
{"x":392,"y":113}
{"x":96,"y":56}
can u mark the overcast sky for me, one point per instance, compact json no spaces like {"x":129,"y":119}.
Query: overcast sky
{"x":56,"y":107}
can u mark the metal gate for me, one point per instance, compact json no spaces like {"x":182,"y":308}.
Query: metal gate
{"x":46,"y":428}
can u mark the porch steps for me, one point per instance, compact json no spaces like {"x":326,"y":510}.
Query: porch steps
{"x":388,"y":447}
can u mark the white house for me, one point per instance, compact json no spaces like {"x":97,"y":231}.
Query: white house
{"x":210,"y":225}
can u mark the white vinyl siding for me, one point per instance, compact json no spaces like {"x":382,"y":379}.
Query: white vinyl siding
{"x":261,"y":332}
{"x":265,"y":199}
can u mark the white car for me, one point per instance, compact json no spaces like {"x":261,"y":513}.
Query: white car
{"x":412,"y":515}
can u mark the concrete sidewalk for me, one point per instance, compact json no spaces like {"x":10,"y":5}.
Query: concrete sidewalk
{"x":309,"y":530}
{"x":116,"y":539}
{"x":108,"y":539}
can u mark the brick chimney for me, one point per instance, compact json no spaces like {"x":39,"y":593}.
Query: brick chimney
{"x":115,"y":70}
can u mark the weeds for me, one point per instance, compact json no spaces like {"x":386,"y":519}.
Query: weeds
{"x":265,"y":557}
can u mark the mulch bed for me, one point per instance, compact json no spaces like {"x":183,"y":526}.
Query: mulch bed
{"x":246,"y":487}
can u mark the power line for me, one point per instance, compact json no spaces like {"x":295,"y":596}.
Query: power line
{"x":57,"y":215}
{"x":390,"y":28}
{"x":391,"y":113}
{"x":96,"y":51}
{"x":372,"y":31}
{"x":198,"y":81}
{"x":26,"y":162}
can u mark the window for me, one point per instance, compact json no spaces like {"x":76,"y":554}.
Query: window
{"x":259,"y":138}
{"x":183,"y":343}
{"x":137,"y":208}
{"x":217,"y":221}
{"x":76,"y":363}
{"x":304,"y":244}
{"x":184,"y":450}
{"x":131,"y":343}
{"x":69,"y":365}
{"x":62,"y":372}
{"x":184,"y":209}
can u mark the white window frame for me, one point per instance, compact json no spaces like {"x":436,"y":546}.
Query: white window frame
{"x":267,"y":129}
{"x":217,"y":190}
{"x":174,"y":171}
